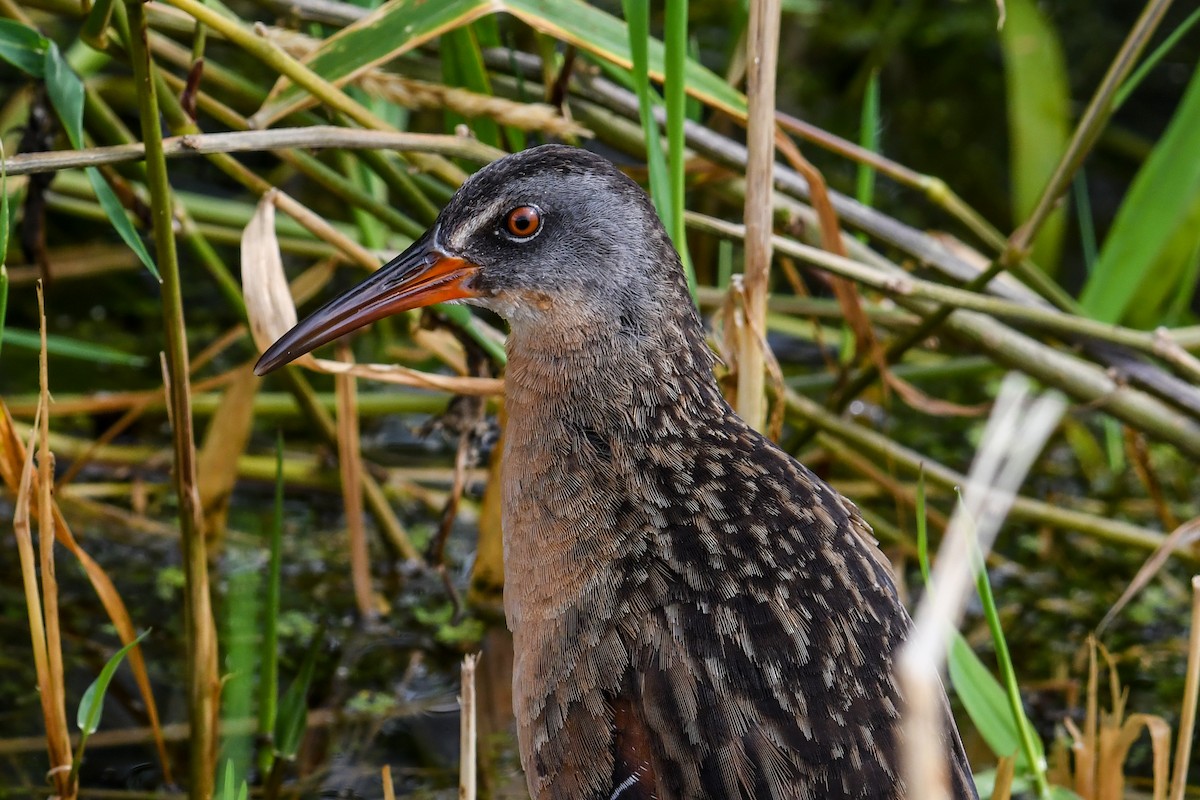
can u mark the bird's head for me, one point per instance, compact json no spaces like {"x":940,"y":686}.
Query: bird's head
{"x":550,"y":236}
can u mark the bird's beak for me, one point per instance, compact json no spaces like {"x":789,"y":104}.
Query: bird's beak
{"x":420,"y":276}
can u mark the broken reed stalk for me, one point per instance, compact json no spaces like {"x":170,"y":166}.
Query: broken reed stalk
{"x":203,"y":679}
{"x":468,"y":731}
{"x":762,"y":56}
{"x":999,"y":467}
{"x":22,"y":528}
{"x":42,"y":609}
{"x":58,"y":735}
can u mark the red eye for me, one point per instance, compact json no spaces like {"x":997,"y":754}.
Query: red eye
{"x":524,"y":221}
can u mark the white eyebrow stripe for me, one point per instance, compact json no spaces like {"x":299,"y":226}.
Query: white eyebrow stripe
{"x":459,"y":238}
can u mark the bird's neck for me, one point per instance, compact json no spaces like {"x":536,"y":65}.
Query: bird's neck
{"x":585,"y":406}
{"x":613,"y":380}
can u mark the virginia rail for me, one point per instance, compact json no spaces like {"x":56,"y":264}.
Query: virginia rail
{"x":694,"y":613}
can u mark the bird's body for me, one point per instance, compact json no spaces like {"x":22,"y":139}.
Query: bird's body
{"x":694,"y":613}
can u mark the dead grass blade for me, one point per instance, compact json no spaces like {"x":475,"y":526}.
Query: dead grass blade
{"x":350,"y":468}
{"x":54,"y":690}
{"x":33,"y":604}
{"x":224,"y":442}
{"x":271,"y":312}
{"x":389,"y":788}
{"x":1191,"y":692}
{"x":269,"y":306}
{"x":1005,"y":770}
{"x":733,"y":325}
{"x":1179,"y":538}
{"x":406,"y":376}
{"x":1139,"y":457}
{"x":1112,"y":777}
{"x":1100,"y":750}
{"x":831,"y":239}
{"x":487,"y":573}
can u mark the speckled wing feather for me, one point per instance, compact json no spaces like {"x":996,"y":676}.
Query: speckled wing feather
{"x":765,"y":660}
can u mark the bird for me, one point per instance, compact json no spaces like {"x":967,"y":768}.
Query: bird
{"x":694,"y":613}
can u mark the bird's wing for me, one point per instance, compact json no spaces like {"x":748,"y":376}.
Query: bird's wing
{"x":727,"y":714}
{"x":764,"y":663}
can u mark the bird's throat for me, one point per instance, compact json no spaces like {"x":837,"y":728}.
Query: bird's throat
{"x":583,"y":408}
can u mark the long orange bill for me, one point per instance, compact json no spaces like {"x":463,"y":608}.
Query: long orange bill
{"x":420,"y":276}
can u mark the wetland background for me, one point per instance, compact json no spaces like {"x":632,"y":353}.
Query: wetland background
{"x":372,"y":560}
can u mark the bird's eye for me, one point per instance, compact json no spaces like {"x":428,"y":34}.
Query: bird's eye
{"x":523,"y":221}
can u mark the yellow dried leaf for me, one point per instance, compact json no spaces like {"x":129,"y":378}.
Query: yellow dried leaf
{"x":224,"y":442}
{"x":269,"y":305}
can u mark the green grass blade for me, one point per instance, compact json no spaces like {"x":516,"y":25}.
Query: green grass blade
{"x":23,"y":47}
{"x":606,"y":37}
{"x":3,"y":298}
{"x":461,"y":54}
{"x":675,"y":94}
{"x":487,"y":34}
{"x":1177,"y":312}
{"x":1086,"y":221}
{"x":293,"y":709}
{"x":4,"y":218}
{"x":92,"y":704}
{"x":984,"y":700}
{"x":74,"y":348}
{"x":268,"y":686}
{"x":241,"y":646}
{"x":230,"y":788}
{"x":1146,"y":257}
{"x":922,"y":529}
{"x":695,"y":109}
{"x":981,"y":694}
{"x":120,"y":220}
{"x":390,"y":31}
{"x":66,"y":93}
{"x":65,"y":90}
{"x":1038,"y":118}
{"x":868,"y":137}
{"x":637,"y":17}
{"x":1031,"y":745}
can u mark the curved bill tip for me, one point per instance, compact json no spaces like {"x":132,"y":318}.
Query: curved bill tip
{"x":420,"y":276}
